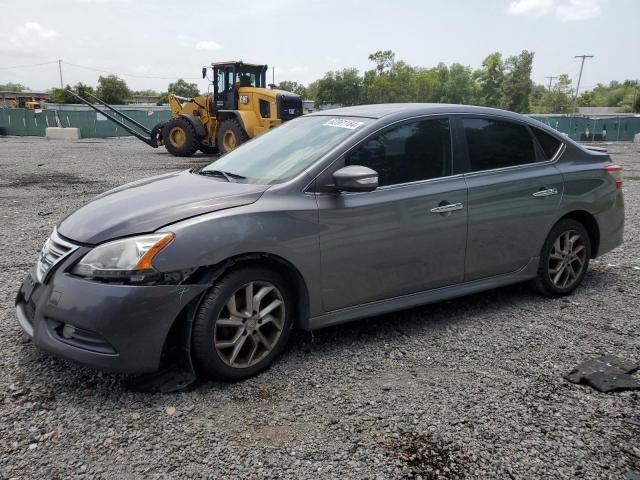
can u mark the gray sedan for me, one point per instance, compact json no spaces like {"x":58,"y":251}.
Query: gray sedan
{"x":334,"y":216}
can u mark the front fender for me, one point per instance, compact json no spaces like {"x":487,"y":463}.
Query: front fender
{"x":277,"y":225}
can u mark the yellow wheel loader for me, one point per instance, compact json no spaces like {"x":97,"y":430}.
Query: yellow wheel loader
{"x":240,"y":107}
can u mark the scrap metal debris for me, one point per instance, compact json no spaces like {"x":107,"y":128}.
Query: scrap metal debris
{"x":606,"y":373}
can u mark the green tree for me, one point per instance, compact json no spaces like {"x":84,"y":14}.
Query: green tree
{"x":460,"y":87}
{"x":558,"y":99}
{"x":293,"y":87}
{"x":427,"y":85}
{"x":312,"y":90}
{"x":517,"y":85}
{"x":623,"y":95}
{"x":12,"y":87}
{"x":384,"y":60}
{"x":112,"y":89}
{"x":490,"y":78}
{"x":183,"y":89}
{"x":342,"y":87}
{"x":146,"y":93}
{"x":61,"y":95}
{"x":397,"y":84}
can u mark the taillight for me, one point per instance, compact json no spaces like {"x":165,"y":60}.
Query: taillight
{"x":616,"y":172}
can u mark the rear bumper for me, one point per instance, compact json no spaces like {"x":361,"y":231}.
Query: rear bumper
{"x":118,"y":328}
{"x":611,"y":225}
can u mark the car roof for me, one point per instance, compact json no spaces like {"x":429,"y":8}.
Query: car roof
{"x":400,"y":110}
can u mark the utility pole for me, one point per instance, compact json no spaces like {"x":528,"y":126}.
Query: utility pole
{"x":583,"y":57}
{"x":60,"y":70}
{"x":550,"y":80}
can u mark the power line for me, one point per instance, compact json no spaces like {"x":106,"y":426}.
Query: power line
{"x":100,"y":70}
{"x":29,"y":65}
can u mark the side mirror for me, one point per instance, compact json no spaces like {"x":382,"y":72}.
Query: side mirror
{"x":355,"y":178}
{"x":204,"y":72}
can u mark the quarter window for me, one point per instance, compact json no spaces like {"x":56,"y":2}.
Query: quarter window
{"x":497,"y":144}
{"x":408,"y":153}
{"x":548,"y":143}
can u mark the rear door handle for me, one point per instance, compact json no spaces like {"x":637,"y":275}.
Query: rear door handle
{"x":447,"y":207}
{"x":545,"y":192}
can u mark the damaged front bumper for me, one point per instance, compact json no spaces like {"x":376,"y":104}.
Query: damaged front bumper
{"x":118,"y":328}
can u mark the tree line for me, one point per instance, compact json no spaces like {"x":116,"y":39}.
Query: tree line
{"x":111,"y":89}
{"x":499,"y":82}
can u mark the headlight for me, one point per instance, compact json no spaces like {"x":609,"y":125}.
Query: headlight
{"x":126,"y":259}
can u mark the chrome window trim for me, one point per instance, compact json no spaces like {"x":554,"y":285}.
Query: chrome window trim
{"x":518,"y":167}
{"x":555,"y":158}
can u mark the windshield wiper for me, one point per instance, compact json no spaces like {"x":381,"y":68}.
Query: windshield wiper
{"x":228,"y":176}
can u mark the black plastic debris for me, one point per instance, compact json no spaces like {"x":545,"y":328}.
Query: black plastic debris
{"x":171,"y":379}
{"x":606,"y":373}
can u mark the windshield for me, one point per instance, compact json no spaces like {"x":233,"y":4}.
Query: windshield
{"x":287,"y":150}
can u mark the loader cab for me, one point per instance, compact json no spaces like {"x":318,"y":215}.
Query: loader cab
{"x":229,"y":76}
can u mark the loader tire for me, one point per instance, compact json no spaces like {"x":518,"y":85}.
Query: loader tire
{"x":180,"y":137}
{"x":156,"y":132}
{"x":230,"y":135}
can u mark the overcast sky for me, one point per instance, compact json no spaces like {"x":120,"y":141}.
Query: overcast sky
{"x":144,"y":40}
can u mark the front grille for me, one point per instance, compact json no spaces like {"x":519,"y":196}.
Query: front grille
{"x":289,"y":107}
{"x":54,"y":250}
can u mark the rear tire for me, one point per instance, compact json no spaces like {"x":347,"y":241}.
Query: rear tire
{"x":564,"y":259}
{"x":233,"y":338}
{"x":230,"y":135}
{"x":180,"y":138}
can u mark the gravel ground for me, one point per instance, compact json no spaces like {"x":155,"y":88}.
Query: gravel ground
{"x":466,"y":388}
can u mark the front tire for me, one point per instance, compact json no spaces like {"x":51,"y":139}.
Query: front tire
{"x":179,"y":137}
{"x":564,"y":259}
{"x":243,"y":324}
{"x":230,"y":135}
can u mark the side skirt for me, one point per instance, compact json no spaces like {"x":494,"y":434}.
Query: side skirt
{"x":529,"y":271}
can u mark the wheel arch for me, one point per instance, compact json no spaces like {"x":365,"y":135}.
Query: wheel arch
{"x":176,"y":346}
{"x":272,"y":261}
{"x":590,"y":224}
{"x":241,"y":116}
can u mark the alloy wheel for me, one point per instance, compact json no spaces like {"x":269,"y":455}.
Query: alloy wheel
{"x":249,"y":325}
{"x":567,"y":259}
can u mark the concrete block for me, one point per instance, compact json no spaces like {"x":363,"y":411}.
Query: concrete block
{"x":636,"y":138}
{"x":57,"y":133}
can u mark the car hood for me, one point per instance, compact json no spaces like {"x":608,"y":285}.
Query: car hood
{"x":146,"y":205}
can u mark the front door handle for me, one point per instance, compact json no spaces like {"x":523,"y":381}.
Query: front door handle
{"x":545,"y":192}
{"x":447,"y":207}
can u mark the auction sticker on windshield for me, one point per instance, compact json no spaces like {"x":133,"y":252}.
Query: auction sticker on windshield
{"x":343,"y":123}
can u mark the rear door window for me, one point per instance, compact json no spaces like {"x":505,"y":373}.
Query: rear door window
{"x":549,"y":144}
{"x":412,"y":152}
{"x":497,"y":144}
